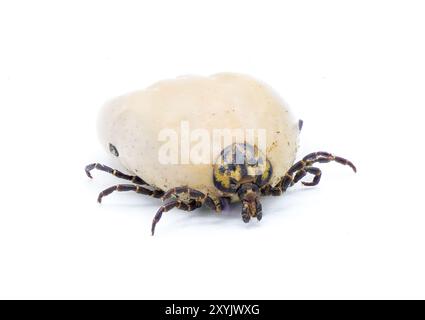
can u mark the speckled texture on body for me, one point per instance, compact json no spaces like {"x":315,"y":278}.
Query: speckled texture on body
{"x":132,"y":124}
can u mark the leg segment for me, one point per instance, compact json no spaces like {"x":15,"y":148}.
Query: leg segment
{"x":303,"y":172}
{"x":118,"y":174}
{"x":216,"y":205}
{"x":130,"y":187}
{"x":189,"y":206}
{"x":315,"y":172}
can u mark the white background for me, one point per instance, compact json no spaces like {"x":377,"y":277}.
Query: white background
{"x":353,"y":70}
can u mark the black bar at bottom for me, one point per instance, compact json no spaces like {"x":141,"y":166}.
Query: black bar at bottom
{"x":210,"y":309}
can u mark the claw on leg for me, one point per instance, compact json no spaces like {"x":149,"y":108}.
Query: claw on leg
{"x":116,"y":173}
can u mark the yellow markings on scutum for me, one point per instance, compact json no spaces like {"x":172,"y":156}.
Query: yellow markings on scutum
{"x":225,"y":177}
{"x":266,"y":172}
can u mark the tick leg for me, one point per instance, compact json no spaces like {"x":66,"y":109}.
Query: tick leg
{"x":300,"y":169}
{"x":130,"y":187}
{"x":189,"y":206}
{"x":216,"y":205}
{"x":322,"y":157}
{"x":118,"y":174}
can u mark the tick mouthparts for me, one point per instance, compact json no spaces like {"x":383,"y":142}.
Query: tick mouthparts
{"x":252,"y":209}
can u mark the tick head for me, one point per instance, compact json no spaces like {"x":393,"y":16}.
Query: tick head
{"x":238,"y":164}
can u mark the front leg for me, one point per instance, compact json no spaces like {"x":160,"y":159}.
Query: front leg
{"x":288,"y":181}
{"x":300,"y":169}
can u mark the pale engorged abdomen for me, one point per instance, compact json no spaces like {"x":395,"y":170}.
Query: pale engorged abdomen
{"x":132,"y":123}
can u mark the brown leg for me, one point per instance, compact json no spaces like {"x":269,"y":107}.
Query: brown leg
{"x":190,"y":206}
{"x":130,"y":187}
{"x":301,"y":168}
{"x":321,"y":157}
{"x":216,"y":205}
{"x":118,"y":174}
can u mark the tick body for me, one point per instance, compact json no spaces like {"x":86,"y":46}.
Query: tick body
{"x":173,"y":139}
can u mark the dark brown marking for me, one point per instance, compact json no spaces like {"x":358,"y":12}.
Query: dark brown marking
{"x":113,"y":150}
{"x":300,"y":124}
